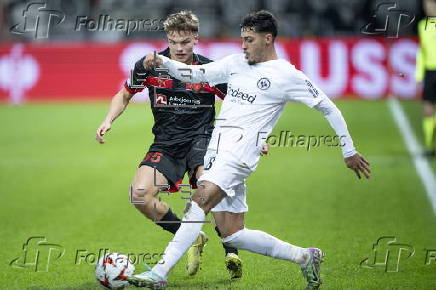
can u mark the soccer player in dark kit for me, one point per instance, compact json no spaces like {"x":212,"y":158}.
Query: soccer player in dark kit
{"x":183,"y":123}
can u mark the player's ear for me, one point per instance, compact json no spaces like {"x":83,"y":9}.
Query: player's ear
{"x":195,"y":38}
{"x":268,"y":38}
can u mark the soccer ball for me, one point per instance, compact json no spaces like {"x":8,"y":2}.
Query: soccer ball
{"x":113,"y":270}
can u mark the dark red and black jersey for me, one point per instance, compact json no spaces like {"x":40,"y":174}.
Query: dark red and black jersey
{"x":181,"y":111}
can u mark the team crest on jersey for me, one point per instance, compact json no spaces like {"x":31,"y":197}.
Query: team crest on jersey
{"x":263,"y":84}
{"x":161,"y":99}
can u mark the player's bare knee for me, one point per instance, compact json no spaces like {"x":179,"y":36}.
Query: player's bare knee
{"x":208,"y":195}
{"x":203,"y":202}
{"x":141,"y":194}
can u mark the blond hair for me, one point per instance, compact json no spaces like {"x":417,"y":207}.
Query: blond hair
{"x":182,"y":21}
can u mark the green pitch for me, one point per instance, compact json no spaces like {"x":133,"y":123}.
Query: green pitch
{"x":58,"y":183}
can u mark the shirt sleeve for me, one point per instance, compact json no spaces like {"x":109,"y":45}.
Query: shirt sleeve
{"x":337,"y":122}
{"x":216,"y":72}
{"x":221,"y":90}
{"x":136,"y":79}
{"x":301,"y":90}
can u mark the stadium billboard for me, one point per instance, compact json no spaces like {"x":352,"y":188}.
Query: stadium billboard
{"x":364,"y":68}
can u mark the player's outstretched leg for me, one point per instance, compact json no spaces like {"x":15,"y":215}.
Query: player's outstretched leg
{"x":262,"y":243}
{"x":143,"y":196}
{"x":207,"y":196}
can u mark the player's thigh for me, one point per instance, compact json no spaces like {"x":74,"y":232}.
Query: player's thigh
{"x":228,"y":223}
{"x":147,"y":182}
{"x":208,"y":195}
{"x":195,"y":158}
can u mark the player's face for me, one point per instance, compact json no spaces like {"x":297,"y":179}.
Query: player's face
{"x":254,"y":45}
{"x":181,"y":44}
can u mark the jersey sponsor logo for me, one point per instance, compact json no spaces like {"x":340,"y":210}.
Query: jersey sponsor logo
{"x":263,"y":83}
{"x":311,"y":88}
{"x":236,"y":93}
{"x":179,"y":100}
{"x":161,"y":99}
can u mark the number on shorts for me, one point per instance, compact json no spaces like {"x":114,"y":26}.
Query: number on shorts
{"x":154,"y":157}
{"x":209,"y":165}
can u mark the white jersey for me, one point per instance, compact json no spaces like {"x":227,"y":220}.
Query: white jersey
{"x":256,"y":96}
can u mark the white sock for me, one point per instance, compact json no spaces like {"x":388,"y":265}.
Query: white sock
{"x":183,"y":239}
{"x":265,"y":244}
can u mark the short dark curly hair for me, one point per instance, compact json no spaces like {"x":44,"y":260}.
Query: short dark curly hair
{"x":261,"y":21}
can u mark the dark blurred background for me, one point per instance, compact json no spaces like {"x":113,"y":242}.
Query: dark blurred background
{"x":218,"y":18}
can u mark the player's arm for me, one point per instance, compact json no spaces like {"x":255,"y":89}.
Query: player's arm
{"x":301,"y":90}
{"x":352,"y":158}
{"x":117,"y":106}
{"x":213,"y":73}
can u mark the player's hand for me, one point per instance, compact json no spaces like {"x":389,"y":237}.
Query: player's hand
{"x":264,"y":150}
{"x":152,"y":60}
{"x":359,"y":165}
{"x":101,"y":131}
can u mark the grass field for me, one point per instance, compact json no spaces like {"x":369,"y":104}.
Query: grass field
{"x":57,"y":182}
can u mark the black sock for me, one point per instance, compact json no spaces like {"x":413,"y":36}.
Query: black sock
{"x":174,"y":224}
{"x":227,"y":249}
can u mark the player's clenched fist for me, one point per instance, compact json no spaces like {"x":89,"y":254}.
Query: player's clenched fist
{"x":152,"y":60}
{"x":106,"y":126}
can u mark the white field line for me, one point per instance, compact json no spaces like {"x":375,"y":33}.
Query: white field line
{"x":422,"y":165}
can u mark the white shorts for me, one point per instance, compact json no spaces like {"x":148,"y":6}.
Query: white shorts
{"x":226,"y":171}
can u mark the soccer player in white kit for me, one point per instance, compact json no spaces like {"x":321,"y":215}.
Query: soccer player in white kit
{"x":259,"y":86}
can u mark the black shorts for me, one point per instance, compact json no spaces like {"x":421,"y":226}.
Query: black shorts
{"x":429,"y":93}
{"x":174,"y":168}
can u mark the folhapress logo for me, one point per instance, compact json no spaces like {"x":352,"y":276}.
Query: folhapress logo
{"x":387,"y":253}
{"x":387,"y":20}
{"x":37,"y":18}
{"x":237,"y":93}
{"x":37,"y":254}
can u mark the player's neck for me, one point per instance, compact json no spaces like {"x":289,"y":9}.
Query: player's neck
{"x":190,"y":59}
{"x":270,"y":54}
